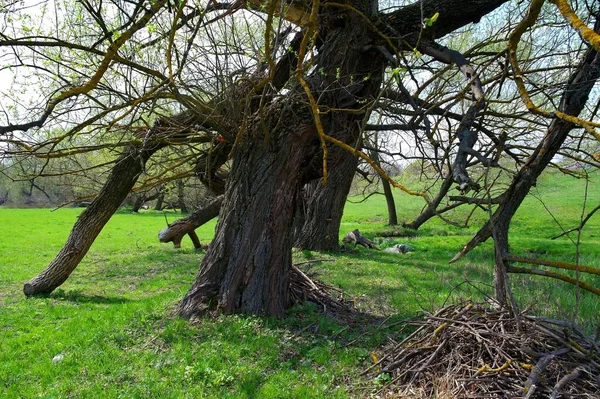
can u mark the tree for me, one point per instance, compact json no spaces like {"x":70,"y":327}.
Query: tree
{"x":268,"y":102}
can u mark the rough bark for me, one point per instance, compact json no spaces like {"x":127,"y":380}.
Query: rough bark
{"x":324,"y":206}
{"x":246,"y":268}
{"x":177,"y":230}
{"x":121,"y":180}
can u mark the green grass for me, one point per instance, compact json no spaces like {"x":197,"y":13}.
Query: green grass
{"x":112,"y":321}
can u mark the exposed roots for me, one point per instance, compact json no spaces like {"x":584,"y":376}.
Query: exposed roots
{"x":477,"y":351}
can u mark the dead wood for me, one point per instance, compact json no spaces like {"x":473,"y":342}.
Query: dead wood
{"x":477,"y":351}
{"x":330,"y":299}
{"x":175,"y":231}
{"x":356,"y":238}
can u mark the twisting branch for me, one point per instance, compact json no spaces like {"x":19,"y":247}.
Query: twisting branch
{"x":465,"y":135}
{"x":513,"y":41}
{"x":567,"y":12}
{"x":92,"y":83}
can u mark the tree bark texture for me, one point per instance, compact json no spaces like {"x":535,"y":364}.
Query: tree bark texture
{"x":121,"y":180}
{"x":324,"y":206}
{"x":247,"y":265}
{"x":246,"y":268}
{"x":91,"y":221}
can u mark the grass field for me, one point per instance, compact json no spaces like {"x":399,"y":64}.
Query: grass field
{"x":109,"y":332}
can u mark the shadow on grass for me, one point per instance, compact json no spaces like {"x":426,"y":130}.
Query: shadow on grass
{"x":77,"y":296}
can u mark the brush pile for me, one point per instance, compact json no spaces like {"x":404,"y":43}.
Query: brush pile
{"x":478,"y":351}
{"x":331,"y":300}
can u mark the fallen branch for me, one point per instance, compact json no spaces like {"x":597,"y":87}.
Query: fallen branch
{"x":357,"y":238}
{"x":175,"y":231}
{"x":477,"y":351}
{"x":567,"y":279}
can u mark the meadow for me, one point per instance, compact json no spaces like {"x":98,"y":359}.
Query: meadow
{"x":110,"y":332}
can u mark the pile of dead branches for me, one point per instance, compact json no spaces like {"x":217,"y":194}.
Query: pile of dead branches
{"x":304,"y":288}
{"x":477,"y":351}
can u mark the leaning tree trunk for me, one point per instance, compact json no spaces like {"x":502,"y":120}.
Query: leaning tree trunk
{"x":159,"y":202}
{"x":175,"y":231}
{"x":387,"y":191}
{"x":121,"y":180}
{"x":324,"y":208}
{"x":91,"y":221}
{"x":432,"y":206}
{"x":247,"y":265}
{"x":573,"y":101}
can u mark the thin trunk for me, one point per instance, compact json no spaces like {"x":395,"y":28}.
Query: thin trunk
{"x":121,"y":180}
{"x":91,"y":221}
{"x":500,"y":267}
{"x":138,"y":202}
{"x":573,"y":101}
{"x":391,"y":203}
{"x":431,"y":208}
{"x":181,"y":196}
{"x":159,"y":202}
{"x":389,"y":195}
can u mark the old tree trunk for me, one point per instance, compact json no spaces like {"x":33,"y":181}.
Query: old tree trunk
{"x":277,"y":152}
{"x":247,"y":265}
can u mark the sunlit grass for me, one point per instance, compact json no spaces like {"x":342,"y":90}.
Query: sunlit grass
{"x":111,"y":331}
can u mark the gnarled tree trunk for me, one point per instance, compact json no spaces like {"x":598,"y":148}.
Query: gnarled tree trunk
{"x":246,"y":268}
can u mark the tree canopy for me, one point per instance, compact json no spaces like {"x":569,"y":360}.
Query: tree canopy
{"x":259,"y":100}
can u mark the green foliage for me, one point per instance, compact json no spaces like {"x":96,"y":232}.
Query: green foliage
{"x":428,"y":22}
{"x":111,"y":331}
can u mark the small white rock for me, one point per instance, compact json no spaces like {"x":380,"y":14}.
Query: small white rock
{"x":58,"y":358}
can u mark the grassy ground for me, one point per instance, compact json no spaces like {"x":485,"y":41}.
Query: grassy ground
{"x":109,"y":331}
